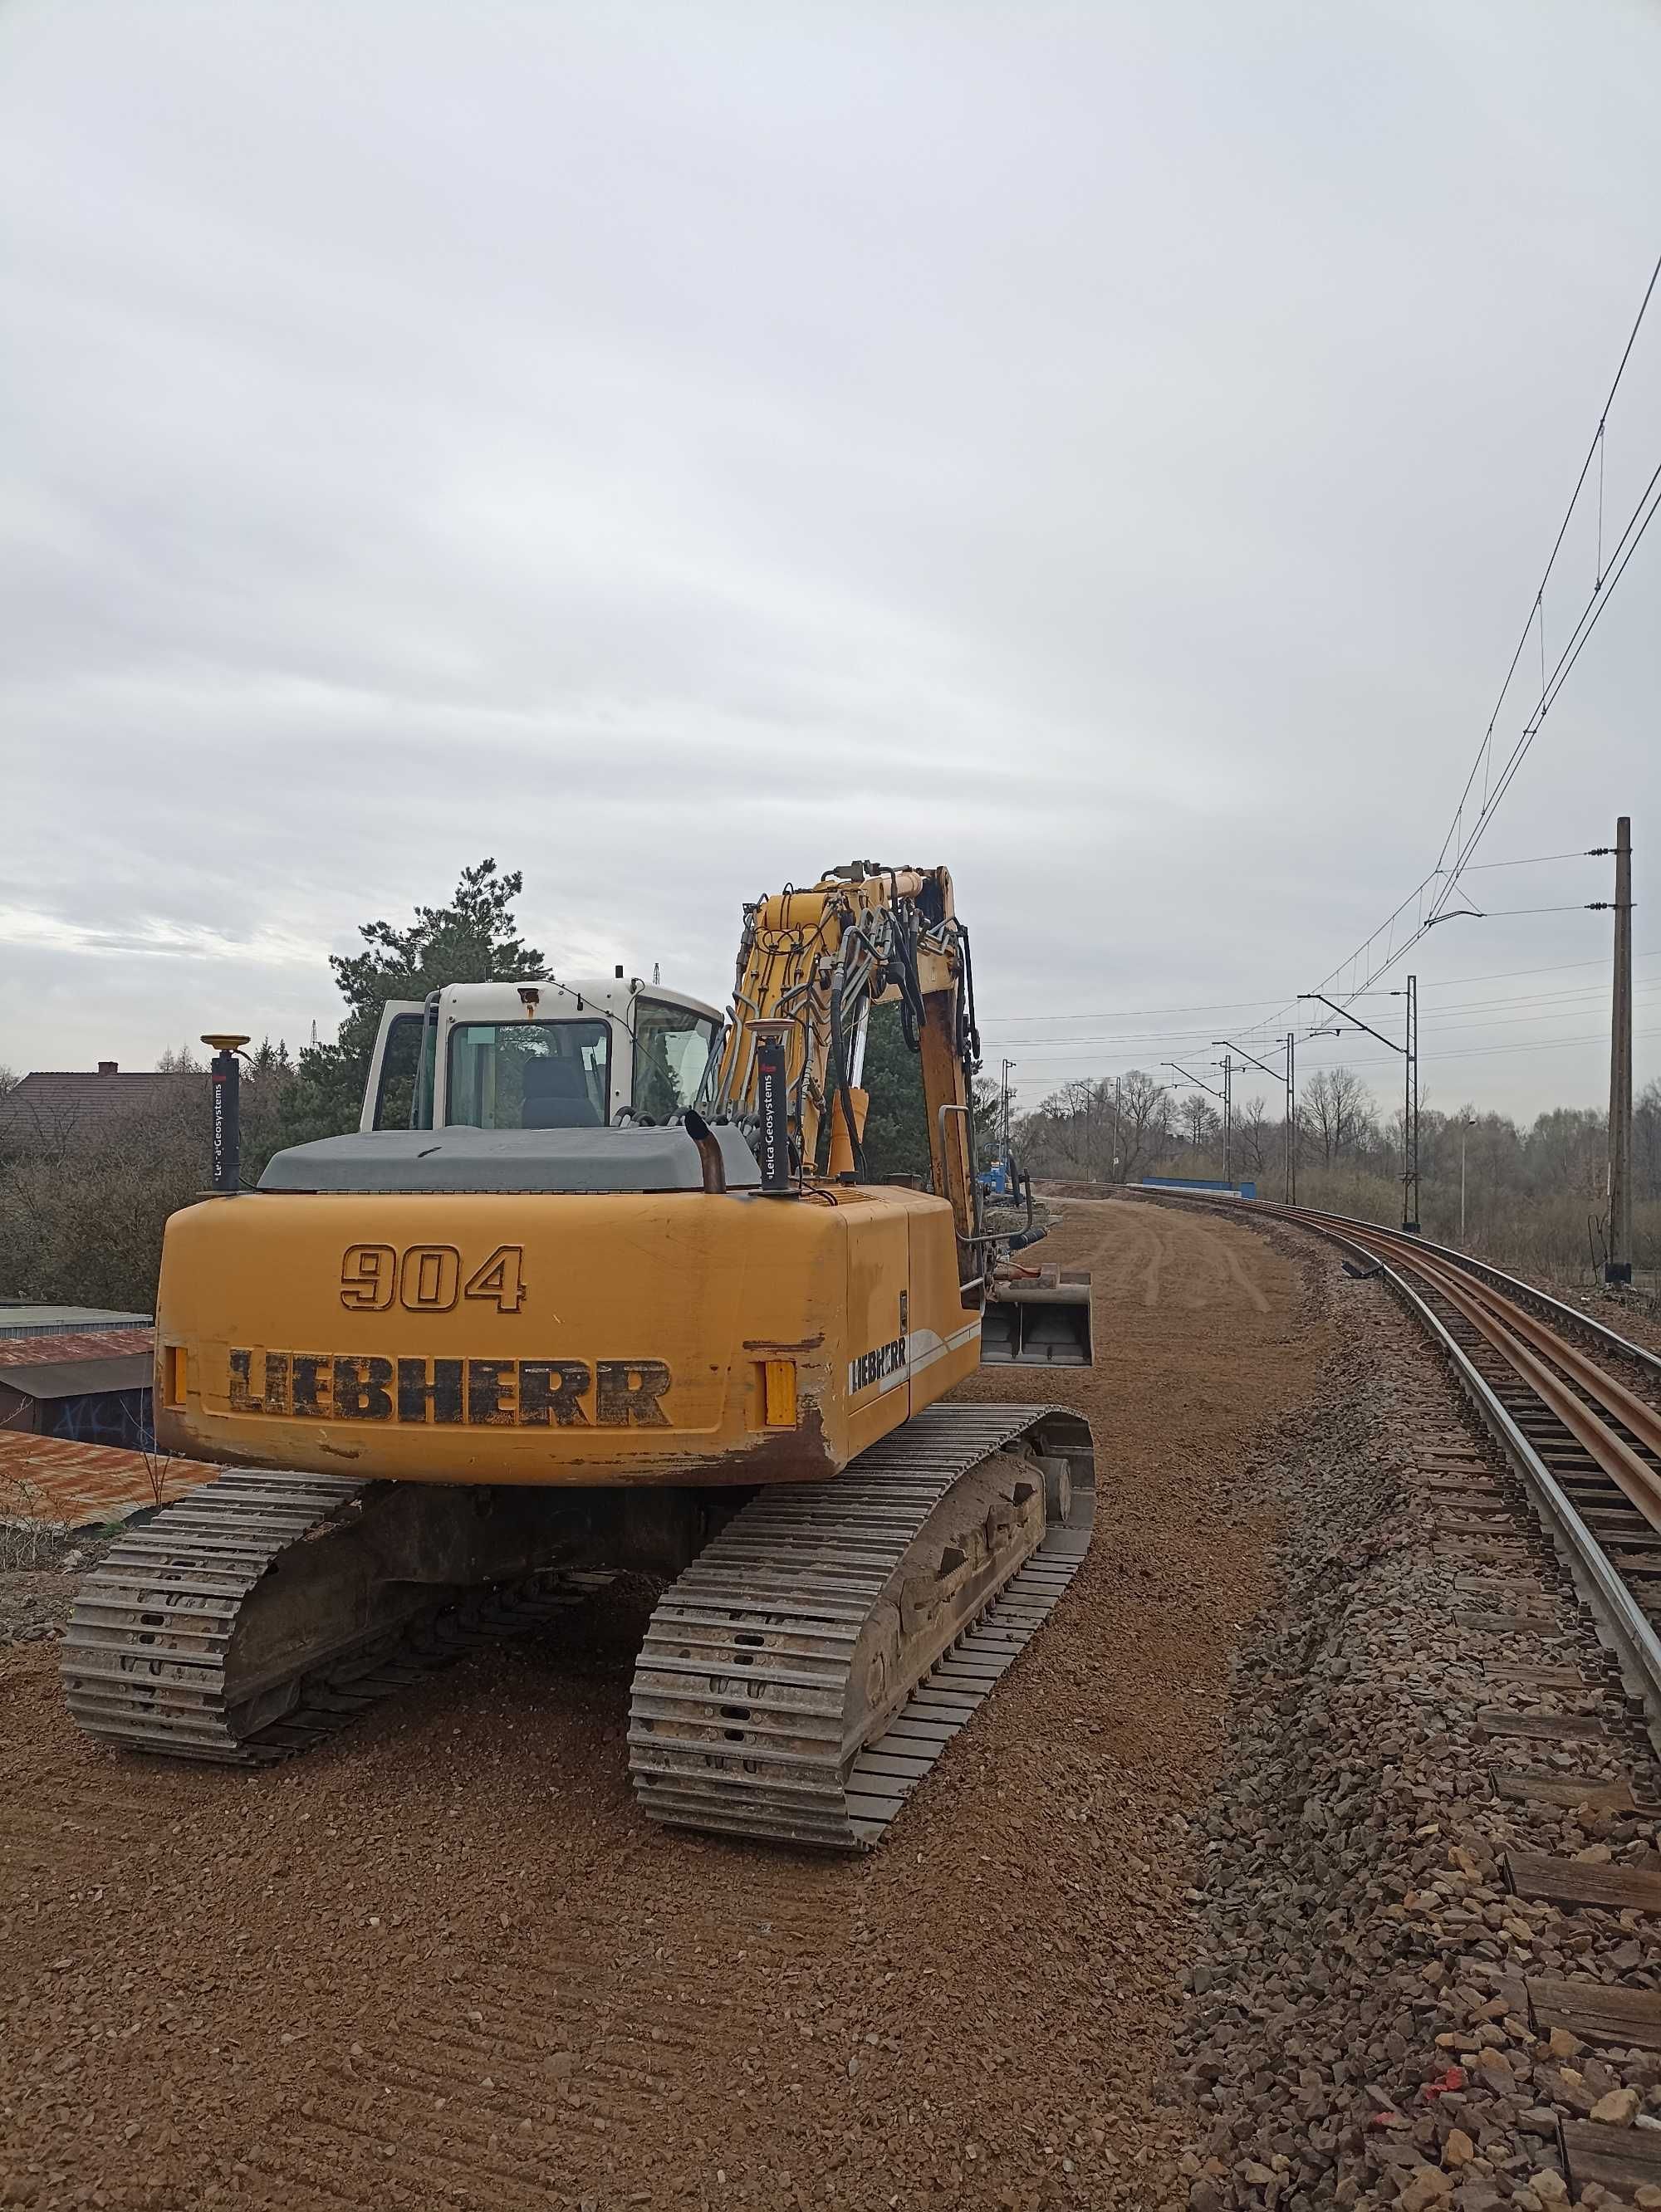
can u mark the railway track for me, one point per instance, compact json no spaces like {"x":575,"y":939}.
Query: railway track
{"x":1529,"y":1893}
{"x":1573,"y":1407}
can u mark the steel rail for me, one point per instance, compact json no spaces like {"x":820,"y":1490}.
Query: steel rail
{"x":1515,"y":1333}
{"x":1532,"y":1351}
{"x":1512,"y":1286}
{"x":1520,"y":1341}
{"x":1629,"y":1629}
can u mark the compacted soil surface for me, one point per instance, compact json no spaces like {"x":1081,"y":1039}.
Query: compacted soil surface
{"x":444,"y":1961}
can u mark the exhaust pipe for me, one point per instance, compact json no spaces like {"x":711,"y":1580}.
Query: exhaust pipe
{"x":709,"y":1158}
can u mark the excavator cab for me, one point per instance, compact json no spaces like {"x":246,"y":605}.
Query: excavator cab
{"x":542,"y":1055}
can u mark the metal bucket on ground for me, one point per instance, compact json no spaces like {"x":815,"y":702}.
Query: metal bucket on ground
{"x":1039,"y":1317}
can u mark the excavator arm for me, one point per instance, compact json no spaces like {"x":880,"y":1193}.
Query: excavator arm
{"x":812,"y":964}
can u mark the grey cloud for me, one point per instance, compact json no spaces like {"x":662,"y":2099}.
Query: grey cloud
{"x":1107,"y":448}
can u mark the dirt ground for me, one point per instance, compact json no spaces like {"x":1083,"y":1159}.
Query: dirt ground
{"x":444,"y":1961}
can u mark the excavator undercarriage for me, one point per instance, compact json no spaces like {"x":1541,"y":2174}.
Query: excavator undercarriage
{"x":799,"y":1676}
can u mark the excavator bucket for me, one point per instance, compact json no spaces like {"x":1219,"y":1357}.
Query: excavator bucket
{"x":1040,"y":1319}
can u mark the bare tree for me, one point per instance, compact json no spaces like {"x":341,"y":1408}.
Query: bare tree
{"x":1647,"y":1140}
{"x":1255,"y":1135}
{"x":1567,"y":1150}
{"x":84,"y":1224}
{"x":1339,"y":1109}
{"x":1144,"y":1122}
{"x":1106,"y":1130}
{"x":1202,"y":1123}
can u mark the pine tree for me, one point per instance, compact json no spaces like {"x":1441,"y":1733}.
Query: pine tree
{"x":896,"y":1117}
{"x":473,"y":939}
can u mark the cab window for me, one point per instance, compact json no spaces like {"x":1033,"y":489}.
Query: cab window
{"x":673,"y":1046}
{"x":529,"y":1075}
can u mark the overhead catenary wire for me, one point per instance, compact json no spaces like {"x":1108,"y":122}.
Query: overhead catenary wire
{"x":1594,"y":450}
{"x":1445,"y":983}
{"x":1151,"y":1047}
{"x":1539,"y":860}
{"x":1447,"y":1048}
{"x":1508,"y":913}
{"x":1443,"y":1059}
{"x":1429,"y":902}
{"x":1534,"y":1006}
{"x":1470,"y":1017}
{"x":1443,"y":879}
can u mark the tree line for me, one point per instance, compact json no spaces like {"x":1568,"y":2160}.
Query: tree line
{"x":1535,"y":1194}
{"x":85,"y":1197}
{"x":83,"y":1204}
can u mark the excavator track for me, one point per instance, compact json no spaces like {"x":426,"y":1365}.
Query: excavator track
{"x":752,"y":1713}
{"x":796,"y":1683}
{"x":149,"y":1657}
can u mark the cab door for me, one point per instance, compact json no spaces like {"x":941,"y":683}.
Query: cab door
{"x":395,"y":1069}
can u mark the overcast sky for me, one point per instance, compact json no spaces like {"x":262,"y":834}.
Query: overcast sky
{"x":1108,"y":449}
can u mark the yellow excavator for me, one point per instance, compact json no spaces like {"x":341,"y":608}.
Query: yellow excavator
{"x":599,"y":1286}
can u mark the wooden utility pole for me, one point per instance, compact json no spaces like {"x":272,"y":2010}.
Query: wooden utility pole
{"x":1617,"y":1264}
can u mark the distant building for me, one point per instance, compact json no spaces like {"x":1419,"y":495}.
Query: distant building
{"x":54,"y":1109}
{"x":89,"y":1381}
{"x":105,"y":1401}
{"x":23,"y":1317}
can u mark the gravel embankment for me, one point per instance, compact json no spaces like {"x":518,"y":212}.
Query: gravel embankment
{"x":1359,"y":2033}
{"x":40,"y":1571}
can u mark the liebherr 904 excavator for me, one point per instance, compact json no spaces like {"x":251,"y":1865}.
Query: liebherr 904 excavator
{"x":615,"y":1296}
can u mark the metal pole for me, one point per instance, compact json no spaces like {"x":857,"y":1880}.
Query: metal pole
{"x":1617,"y":1264}
{"x":227,"y":1124}
{"x":1410,"y":1116}
{"x":227,"y":1073}
{"x":1291,"y":1127}
{"x":773,"y":1110}
{"x":1228,"y":1118}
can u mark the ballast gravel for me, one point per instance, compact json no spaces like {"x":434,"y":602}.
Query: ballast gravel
{"x":1359,"y":2031}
